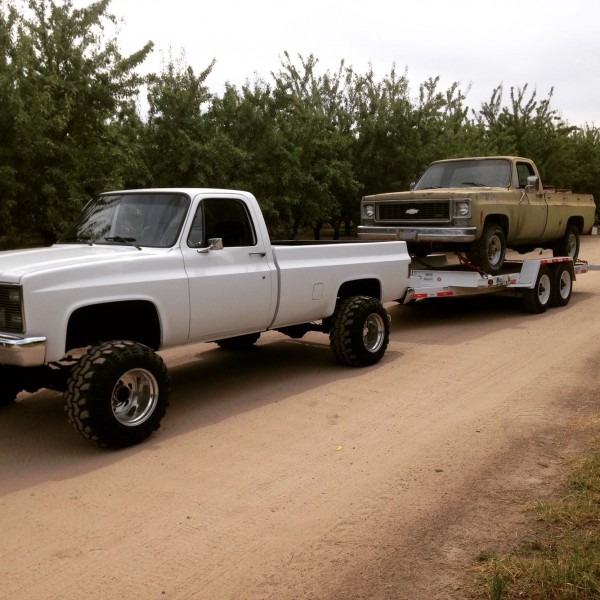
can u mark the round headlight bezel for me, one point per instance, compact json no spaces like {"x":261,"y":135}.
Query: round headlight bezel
{"x":462,"y":208}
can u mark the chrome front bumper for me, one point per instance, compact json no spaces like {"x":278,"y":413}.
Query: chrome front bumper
{"x":22,"y":352}
{"x":417,"y":234}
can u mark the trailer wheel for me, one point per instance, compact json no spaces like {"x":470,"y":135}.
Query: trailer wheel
{"x":239,"y":342}
{"x":537,"y":299}
{"x":562,"y":285}
{"x":568,"y":245}
{"x":117,"y":394}
{"x":489,"y":250}
{"x":360,"y":331}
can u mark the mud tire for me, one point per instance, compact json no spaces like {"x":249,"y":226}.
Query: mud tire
{"x":360,"y":331}
{"x":117,"y":394}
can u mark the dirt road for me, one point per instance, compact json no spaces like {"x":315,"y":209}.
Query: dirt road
{"x":278,"y":474}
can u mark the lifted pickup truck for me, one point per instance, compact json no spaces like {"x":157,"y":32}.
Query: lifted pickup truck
{"x":480,"y":206}
{"x":144,"y":270}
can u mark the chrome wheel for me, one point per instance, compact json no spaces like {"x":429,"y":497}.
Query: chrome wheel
{"x":134,"y":397}
{"x":373,"y":332}
{"x":360,"y":331}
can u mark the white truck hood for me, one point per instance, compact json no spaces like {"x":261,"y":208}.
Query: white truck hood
{"x":17,"y":264}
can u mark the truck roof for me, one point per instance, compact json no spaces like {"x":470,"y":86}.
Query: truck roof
{"x":192,"y":191}
{"x":511,"y":158}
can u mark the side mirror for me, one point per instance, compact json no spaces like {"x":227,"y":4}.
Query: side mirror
{"x":214,"y":244}
{"x":412,"y":185}
{"x":533,"y":184}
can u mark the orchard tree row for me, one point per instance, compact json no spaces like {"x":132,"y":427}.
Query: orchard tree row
{"x":307,"y":143}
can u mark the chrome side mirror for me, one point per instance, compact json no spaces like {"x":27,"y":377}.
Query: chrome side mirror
{"x":214,"y":244}
{"x":533,"y":184}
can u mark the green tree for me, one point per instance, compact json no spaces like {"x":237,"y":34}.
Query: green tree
{"x":179,"y":149}
{"x":526,"y":127}
{"x":314,"y":143}
{"x":67,"y":100}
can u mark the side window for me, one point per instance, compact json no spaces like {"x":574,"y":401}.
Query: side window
{"x":225,"y":218}
{"x":195,"y":238}
{"x":524,"y":170}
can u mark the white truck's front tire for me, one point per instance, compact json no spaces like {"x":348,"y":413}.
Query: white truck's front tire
{"x":117,"y":394}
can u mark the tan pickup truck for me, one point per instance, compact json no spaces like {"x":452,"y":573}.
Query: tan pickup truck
{"x":480,"y":206}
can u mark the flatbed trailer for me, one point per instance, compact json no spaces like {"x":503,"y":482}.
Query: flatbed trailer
{"x":542,"y":282}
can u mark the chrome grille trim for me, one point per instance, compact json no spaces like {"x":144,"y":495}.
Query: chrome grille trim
{"x":427,"y":211}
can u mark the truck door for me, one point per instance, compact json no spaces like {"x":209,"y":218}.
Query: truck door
{"x":532,"y":212}
{"x":232,"y":289}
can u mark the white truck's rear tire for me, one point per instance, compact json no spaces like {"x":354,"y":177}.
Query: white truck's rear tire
{"x":117,"y":394}
{"x":360,"y":331}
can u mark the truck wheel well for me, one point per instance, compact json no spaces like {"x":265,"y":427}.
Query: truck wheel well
{"x":135,"y":320}
{"x":360,"y":287}
{"x":577,"y":221}
{"x":502,"y":220}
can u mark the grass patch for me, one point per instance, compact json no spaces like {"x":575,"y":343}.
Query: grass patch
{"x":561,"y":560}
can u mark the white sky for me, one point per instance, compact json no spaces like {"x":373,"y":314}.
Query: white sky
{"x":478,"y":43}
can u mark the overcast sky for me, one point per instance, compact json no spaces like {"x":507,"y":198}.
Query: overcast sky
{"x":478,"y":43}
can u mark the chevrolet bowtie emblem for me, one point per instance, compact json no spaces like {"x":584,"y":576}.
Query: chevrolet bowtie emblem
{"x":412,"y":211}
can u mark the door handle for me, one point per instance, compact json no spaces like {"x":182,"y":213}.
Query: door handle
{"x":261,"y":254}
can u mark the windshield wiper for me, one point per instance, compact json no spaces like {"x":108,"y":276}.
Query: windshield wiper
{"x":431,"y":187}
{"x":474,"y":183}
{"x":128,"y":241}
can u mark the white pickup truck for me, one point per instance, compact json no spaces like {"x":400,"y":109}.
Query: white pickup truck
{"x":144,"y":270}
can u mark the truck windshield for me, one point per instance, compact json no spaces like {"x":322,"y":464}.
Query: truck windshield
{"x":492,"y":172}
{"x":140,"y":219}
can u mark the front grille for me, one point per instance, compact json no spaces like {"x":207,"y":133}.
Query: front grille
{"x":413,"y":212}
{"x":11,"y":309}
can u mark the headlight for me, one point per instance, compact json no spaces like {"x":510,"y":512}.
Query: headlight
{"x":462,"y":208}
{"x":11,"y":309}
{"x":369,"y":211}
{"x":14,"y":296}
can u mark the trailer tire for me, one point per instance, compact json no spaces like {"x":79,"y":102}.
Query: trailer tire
{"x":568,"y":245}
{"x":489,"y":250}
{"x":562,"y":285}
{"x":360,"y":331}
{"x":239,"y":342}
{"x":117,"y":394}
{"x":537,"y":300}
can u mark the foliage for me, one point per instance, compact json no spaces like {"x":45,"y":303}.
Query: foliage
{"x":176,"y":145}
{"x":561,"y":558}
{"x":308,"y":143}
{"x":67,"y":111}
